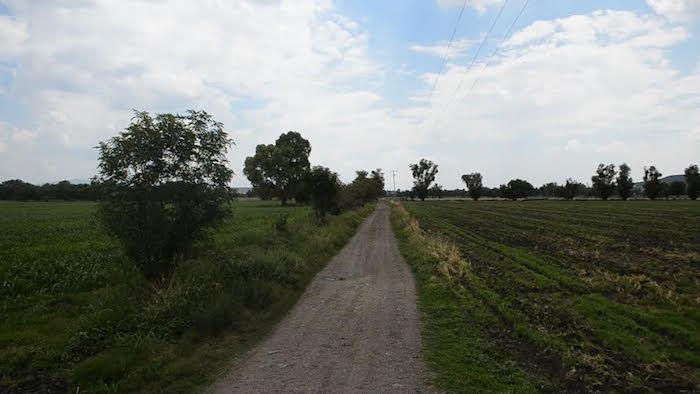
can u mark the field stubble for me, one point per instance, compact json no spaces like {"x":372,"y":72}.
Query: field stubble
{"x":559,"y":295}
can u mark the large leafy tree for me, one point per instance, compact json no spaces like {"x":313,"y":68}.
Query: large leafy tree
{"x":474,"y":184}
{"x":692,"y":180}
{"x":278,"y":170}
{"x":604,"y":181}
{"x":517,"y":188}
{"x":163,"y":180}
{"x":652,"y":182}
{"x":424,"y":173}
{"x":624,"y":182}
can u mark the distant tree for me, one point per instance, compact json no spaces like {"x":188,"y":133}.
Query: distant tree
{"x":676,"y":188}
{"x":377,"y":179}
{"x":548,"y":189}
{"x":164,"y":179}
{"x":277,"y":170}
{"x":491,"y":192}
{"x":624,"y":182}
{"x":571,"y":189}
{"x":692,"y":180}
{"x":604,"y":181}
{"x":16,"y":189}
{"x":436,"y":191}
{"x":364,"y":188}
{"x":652,"y":182}
{"x":424,"y":173}
{"x":324,"y":187}
{"x":474,"y":184}
{"x":517,"y":188}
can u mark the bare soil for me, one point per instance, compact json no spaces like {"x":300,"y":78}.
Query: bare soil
{"x":355,"y":329}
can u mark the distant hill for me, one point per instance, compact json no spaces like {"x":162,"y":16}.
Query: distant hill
{"x":242,"y":190}
{"x":638,"y":186}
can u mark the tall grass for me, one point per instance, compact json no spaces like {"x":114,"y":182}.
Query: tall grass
{"x":77,"y":314}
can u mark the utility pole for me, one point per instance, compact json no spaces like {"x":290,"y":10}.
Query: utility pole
{"x":393,"y":176}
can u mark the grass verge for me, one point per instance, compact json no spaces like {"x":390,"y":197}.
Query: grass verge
{"x":453,"y":316}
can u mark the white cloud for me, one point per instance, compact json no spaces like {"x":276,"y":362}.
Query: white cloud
{"x":24,"y":136}
{"x":479,"y":5}
{"x":603,"y":80}
{"x":3,"y":139}
{"x":676,"y":10}
{"x":572,"y":145}
{"x":457,"y":48}
{"x":568,"y":82}
{"x":12,"y":137}
{"x":12,"y":36}
{"x":262,"y":67}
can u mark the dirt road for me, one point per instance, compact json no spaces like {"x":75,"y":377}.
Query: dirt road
{"x":355,"y":329}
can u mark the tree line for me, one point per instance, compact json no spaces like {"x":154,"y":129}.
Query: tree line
{"x":282,"y":170}
{"x":606,"y":182}
{"x":16,"y":189}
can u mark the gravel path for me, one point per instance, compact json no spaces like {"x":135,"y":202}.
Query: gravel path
{"x":355,"y":329}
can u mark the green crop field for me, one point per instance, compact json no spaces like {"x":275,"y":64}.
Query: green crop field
{"x":557,"y":295}
{"x":76,"y":314}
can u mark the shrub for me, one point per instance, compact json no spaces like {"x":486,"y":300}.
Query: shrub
{"x":324,"y":187}
{"x":676,"y":188}
{"x":362,"y":190}
{"x":163,"y":180}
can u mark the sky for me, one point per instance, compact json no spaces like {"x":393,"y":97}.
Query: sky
{"x":541,"y":90}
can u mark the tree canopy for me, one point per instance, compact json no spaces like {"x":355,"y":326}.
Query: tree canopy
{"x":278,"y":170}
{"x":692,"y":180}
{"x":652,"y":183}
{"x":163,"y":180}
{"x":324,"y":187}
{"x":424,"y":173}
{"x":604,"y":181}
{"x":474,"y":184}
{"x":624,"y":182}
{"x":516,"y":188}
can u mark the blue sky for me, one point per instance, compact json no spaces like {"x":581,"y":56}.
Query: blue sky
{"x":575,"y":84}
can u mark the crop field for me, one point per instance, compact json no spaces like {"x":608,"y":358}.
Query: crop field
{"x":557,"y":295}
{"x":77,"y":315}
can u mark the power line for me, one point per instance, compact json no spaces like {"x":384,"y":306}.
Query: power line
{"x":447,"y":50}
{"x":476,"y":55}
{"x":488,"y":60}
{"x":496,"y":50}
